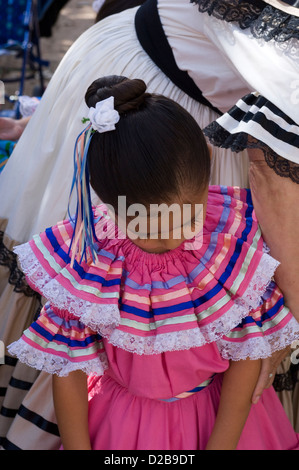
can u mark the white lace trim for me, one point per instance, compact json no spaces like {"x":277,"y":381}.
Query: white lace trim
{"x":186,"y":339}
{"x":53,"y":364}
{"x":91,"y":314}
{"x":103,"y":318}
{"x":260,"y":347}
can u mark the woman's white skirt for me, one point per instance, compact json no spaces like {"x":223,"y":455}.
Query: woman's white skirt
{"x":35,"y":184}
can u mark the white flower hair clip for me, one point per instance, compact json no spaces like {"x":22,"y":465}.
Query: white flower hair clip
{"x":104,"y":117}
{"x":28,"y":105}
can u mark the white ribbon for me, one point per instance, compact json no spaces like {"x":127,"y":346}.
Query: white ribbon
{"x":104,"y":117}
{"x":28,"y":105}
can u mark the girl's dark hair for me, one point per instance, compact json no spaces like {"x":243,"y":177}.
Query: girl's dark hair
{"x":157,"y":152}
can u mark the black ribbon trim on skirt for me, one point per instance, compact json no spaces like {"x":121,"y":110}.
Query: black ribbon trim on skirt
{"x":153,"y":40}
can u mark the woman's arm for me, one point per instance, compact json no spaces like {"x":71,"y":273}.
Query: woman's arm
{"x":235,"y":402}
{"x":12,"y":129}
{"x":268,"y":371}
{"x":71,"y":407}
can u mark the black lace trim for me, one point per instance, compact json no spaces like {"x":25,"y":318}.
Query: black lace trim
{"x":288,"y":380}
{"x":281,"y":166}
{"x":16,"y":276}
{"x":219,"y":137}
{"x":265,"y":22}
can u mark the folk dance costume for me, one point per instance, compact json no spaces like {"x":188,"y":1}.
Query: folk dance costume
{"x":155,"y":332}
{"x":199,"y":67}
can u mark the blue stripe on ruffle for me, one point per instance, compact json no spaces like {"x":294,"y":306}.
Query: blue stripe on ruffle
{"x":178,"y":279}
{"x":77,"y":267}
{"x":247,"y":321}
{"x":88,"y":340}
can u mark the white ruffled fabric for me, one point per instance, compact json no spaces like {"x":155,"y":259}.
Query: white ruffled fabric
{"x":92,"y":315}
{"x":45,"y":162}
{"x":261,"y":347}
{"x":53,"y":364}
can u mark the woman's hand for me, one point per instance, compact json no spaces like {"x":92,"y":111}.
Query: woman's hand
{"x":268,"y":371}
{"x":12,"y":129}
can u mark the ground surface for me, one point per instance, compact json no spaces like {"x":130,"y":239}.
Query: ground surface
{"x":75,"y":17}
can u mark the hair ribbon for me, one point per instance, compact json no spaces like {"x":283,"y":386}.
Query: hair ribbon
{"x":84,"y":240}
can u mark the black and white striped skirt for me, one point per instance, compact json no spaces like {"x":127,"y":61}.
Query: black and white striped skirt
{"x":255,"y":122}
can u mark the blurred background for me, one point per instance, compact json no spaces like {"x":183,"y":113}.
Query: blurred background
{"x":26,"y":25}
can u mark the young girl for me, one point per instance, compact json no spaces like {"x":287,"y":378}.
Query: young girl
{"x":155,"y":340}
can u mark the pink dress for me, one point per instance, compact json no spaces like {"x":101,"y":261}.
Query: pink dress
{"x":156,"y":332}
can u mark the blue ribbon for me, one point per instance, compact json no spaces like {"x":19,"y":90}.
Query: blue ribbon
{"x":84,"y":214}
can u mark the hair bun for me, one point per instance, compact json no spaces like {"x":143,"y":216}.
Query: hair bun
{"x":128,"y":94}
